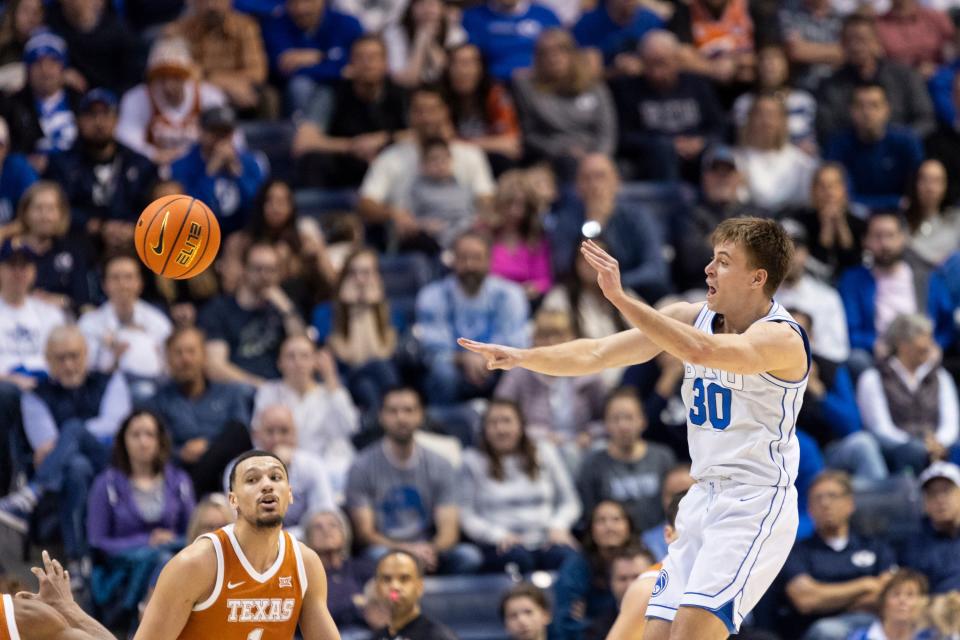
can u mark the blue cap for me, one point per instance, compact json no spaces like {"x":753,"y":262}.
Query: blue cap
{"x":718,"y":153}
{"x":16,"y":253}
{"x":97,"y":96}
{"x":45,"y":45}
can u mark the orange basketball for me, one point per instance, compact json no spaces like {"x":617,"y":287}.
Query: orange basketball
{"x":177,"y":237}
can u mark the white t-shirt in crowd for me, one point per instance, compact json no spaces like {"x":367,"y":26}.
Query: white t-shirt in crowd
{"x":145,"y":336}
{"x":24,"y":331}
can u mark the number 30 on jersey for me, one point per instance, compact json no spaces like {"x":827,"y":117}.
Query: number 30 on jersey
{"x":711,"y":403}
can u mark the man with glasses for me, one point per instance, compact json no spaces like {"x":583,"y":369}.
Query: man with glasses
{"x":245,"y":330}
{"x":834,"y":578}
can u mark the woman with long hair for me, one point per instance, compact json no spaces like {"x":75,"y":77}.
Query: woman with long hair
{"x":520,"y":250}
{"x":20,"y":19}
{"x":137,"y":512}
{"x":778,"y":174}
{"x":481,"y":109}
{"x":934,"y":229}
{"x":520,"y":499}
{"x":565,"y":111}
{"x":417,"y":46}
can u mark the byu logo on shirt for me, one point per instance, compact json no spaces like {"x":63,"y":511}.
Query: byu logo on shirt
{"x":661,"y":583}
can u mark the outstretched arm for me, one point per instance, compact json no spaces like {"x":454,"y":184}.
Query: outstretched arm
{"x":764,"y":347}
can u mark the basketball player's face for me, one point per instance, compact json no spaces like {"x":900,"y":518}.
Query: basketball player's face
{"x":525,"y":619}
{"x":729,"y":278}
{"x":261,"y":492}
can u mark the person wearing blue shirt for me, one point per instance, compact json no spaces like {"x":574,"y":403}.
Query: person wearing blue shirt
{"x":506,"y":32}
{"x":215,"y":172}
{"x":308,"y":44}
{"x":879,"y":157}
{"x":935,"y":551}
{"x":615,"y":27}
{"x":16,"y":175}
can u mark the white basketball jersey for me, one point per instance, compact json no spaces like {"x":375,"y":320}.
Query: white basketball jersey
{"x":743,"y":427}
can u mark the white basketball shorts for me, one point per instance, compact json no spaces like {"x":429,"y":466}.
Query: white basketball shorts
{"x":733,"y":540}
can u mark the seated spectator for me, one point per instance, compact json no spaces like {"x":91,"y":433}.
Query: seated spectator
{"x":102,"y":178}
{"x":773,"y":76}
{"x":307,"y":44}
{"x":506,"y":32}
{"x":629,"y":470}
{"x":626,"y":567}
{"x":934,"y":229}
{"x":360,"y":331}
{"x":676,"y":483}
{"x":103,"y":50}
{"x":43,"y":226}
{"x":944,"y":144}
{"x":207,"y":420}
{"x":519,"y":499}
{"x":916,"y":36}
{"x":16,"y":176}
{"x":20,"y":19}
{"x":909,"y":401}
{"x":229,"y":52}
{"x":935,"y":551}
{"x":473,"y":304}
{"x":833,"y":576}
{"x":525,"y":612}
{"x":520,"y":250}
{"x":902,"y":609}
{"x":895,"y":284}
{"x":273,"y":430}
{"x":160,"y":118}
{"x":329,"y":534}
{"x":811,"y":34}
{"x":404,"y":496}
{"x":802,"y":291}
{"x":834,"y":228}
{"x":125,"y":333}
{"x":68,"y":420}
{"x":565,"y":111}
{"x":615,"y":30}
{"x":137,"y":513}
{"x":324,"y":414}
{"x":659,"y":383}
{"x":777,"y":173}
{"x":629,"y":232}
{"x":217,"y":172}
{"x":386,"y":186}
{"x":665,"y":117}
{"x":245,"y":330}
{"x":443,"y":207}
{"x":717,"y":36}
{"x":417,"y":44}
{"x":368,"y":111}
{"x":564,"y":411}
{"x":581,"y":593}
{"x":399,"y":581}
{"x":481,"y":109}
{"x":211,"y":513}
{"x":908,"y":99}
{"x":41,"y":115}
{"x":879,"y":157}
{"x":721,"y":182}
{"x":307,"y":270}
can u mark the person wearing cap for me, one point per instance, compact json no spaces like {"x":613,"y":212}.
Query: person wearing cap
{"x":308,"y":44}
{"x":215,"y":171}
{"x":41,"y":115}
{"x":16,"y":175}
{"x":161,"y":117}
{"x":103,"y":179}
{"x":935,"y":551}
{"x":104,"y":52}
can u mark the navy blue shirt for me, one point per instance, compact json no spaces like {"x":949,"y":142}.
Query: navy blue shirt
{"x":201,"y":417}
{"x":598,"y":30}
{"x":333,"y":38}
{"x":879,"y":172}
{"x":507,"y":40}
{"x":16,"y":178}
{"x":254,"y":336}
{"x":935,"y":555}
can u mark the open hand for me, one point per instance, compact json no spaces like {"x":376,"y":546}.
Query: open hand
{"x":607,"y":268}
{"x":54,"y":583}
{"x":497,"y":356}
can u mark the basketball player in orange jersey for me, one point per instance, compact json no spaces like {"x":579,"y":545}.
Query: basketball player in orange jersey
{"x":50,"y":614}
{"x":249,"y":580}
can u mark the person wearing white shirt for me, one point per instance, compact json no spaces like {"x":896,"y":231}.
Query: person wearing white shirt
{"x":908,"y":400}
{"x":125,"y":333}
{"x":324,"y":414}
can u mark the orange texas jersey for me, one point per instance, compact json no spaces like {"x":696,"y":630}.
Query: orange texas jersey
{"x":8,"y":624}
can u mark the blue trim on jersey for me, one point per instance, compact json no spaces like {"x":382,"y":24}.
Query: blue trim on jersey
{"x":760,"y":549}
{"x":700,"y":316}
{"x":780,"y":382}
{"x":722,"y":612}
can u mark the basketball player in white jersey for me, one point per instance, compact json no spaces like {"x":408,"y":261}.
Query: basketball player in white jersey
{"x":746,"y":363}
{"x":247,"y":581}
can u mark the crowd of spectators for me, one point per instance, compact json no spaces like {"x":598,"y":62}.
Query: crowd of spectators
{"x":470,"y":147}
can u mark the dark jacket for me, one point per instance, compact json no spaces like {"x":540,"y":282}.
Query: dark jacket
{"x":20,"y":111}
